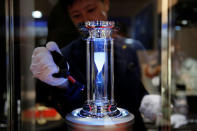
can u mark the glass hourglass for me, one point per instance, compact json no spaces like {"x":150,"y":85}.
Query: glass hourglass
{"x":100,"y":108}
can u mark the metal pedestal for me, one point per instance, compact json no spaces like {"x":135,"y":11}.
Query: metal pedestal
{"x":75,"y":122}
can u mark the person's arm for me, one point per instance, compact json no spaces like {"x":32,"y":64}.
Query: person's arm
{"x":49,"y":67}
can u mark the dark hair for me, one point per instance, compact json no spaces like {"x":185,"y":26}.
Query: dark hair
{"x":67,"y":3}
{"x":60,"y":25}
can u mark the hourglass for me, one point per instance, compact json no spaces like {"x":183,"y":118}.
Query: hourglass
{"x":100,"y":108}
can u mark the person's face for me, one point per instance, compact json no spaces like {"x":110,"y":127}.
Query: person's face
{"x":88,"y":10}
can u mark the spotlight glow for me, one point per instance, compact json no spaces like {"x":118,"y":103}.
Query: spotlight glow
{"x":177,"y":28}
{"x":184,"y":22}
{"x":128,"y":41}
{"x":36,"y":14}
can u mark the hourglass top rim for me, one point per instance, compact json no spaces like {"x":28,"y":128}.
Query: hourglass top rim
{"x":97,"y":24}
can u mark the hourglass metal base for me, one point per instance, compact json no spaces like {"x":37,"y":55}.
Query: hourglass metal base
{"x":99,"y":111}
{"x":76,"y":121}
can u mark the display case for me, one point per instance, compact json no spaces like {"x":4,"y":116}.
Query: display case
{"x":162,"y":33}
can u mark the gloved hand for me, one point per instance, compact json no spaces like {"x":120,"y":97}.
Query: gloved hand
{"x":178,"y":120}
{"x":43,"y":66}
{"x":151,"y":106}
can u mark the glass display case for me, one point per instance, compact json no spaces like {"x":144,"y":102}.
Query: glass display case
{"x":162,"y":34}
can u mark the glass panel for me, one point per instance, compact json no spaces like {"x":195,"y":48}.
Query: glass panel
{"x":3,"y":90}
{"x":179,"y":65}
{"x":137,"y":64}
{"x":166,"y":60}
{"x":154,"y":53}
{"x":184,"y":63}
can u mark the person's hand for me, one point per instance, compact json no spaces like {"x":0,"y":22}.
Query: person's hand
{"x":151,"y":106}
{"x":178,"y":120}
{"x":43,"y":66}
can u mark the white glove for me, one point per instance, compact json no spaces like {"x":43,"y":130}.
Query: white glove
{"x":178,"y":120}
{"x":151,"y":106}
{"x":43,"y":66}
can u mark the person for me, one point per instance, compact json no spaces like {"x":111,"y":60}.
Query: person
{"x":129,"y":89}
{"x":60,"y":25}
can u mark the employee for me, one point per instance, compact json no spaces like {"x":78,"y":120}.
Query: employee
{"x":129,"y":90}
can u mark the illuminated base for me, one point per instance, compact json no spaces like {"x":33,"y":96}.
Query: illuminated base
{"x":122,"y":122}
{"x":99,"y":110}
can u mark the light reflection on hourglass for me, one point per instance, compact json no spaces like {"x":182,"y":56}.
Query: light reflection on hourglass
{"x":99,"y":59}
